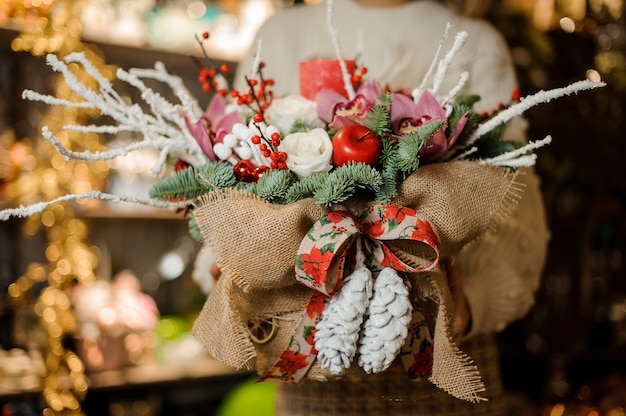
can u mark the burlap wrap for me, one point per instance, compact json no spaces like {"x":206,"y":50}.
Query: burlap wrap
{"x":257,"y":242}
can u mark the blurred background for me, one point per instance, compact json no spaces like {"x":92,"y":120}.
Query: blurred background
{"x":567,"y":357}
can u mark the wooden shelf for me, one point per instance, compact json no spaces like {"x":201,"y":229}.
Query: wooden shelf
{"x":129,"y":211}
{"x":154,"y":375}
{"x":147,"y":375}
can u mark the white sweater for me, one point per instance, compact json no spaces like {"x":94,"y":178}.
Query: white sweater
{"x":502,"y":270}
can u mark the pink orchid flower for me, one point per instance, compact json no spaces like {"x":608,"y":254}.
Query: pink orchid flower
{"x":340,"y":111}
{"x":213,"y":125}
{"x":407,"y":117}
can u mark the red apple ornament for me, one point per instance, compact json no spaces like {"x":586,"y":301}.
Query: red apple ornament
{"x":356,"y":143}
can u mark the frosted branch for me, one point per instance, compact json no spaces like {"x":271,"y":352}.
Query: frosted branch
{"x":162,"y":127}
{"x":159,"y":73}
{"x":417,"y":92}
{"x":519,"y":162}
{"x":334,"y":35}
{"x":49,"y":100}
{"x":455,"y":91}
{"x":444,"y":64}
{"x":529,"y":102}
{"x":466,"y":153}
{"x":161,"y":144}
{"x":38,"y":208}
{"x":518,"y":157}
{"x":97,"y":129}
{"x":256,"y":63}
{"x":80,"y":58}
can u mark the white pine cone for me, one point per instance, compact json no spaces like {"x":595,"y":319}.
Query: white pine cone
{"x":338,"y":331}
{"x":386,"y":324}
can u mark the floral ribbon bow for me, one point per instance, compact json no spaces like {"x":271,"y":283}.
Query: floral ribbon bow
{"x":321,"y":263}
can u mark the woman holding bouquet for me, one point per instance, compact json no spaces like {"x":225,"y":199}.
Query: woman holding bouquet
{"x":492,"y":280}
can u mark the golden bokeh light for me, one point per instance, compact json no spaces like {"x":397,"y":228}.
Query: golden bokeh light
{"x":46,"y":175}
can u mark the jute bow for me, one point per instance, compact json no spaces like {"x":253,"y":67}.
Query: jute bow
{"x":257,"y":242}
{"x":322,"y":261}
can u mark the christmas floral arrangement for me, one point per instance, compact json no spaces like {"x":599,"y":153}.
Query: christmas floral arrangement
{"x":328,"y":211}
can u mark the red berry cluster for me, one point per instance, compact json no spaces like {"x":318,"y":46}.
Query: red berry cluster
{"x":207,"y":74}
{"x":269,"y":146}
{"x":357,"y":76}
{"x":180,"y":165}
{"x":515,"y":98}
{"x":258,"y":98}
{"x":259,"y":93}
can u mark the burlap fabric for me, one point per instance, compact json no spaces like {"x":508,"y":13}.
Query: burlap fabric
{"x":257,"y":242}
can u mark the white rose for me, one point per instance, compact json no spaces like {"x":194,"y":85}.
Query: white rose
{"x":307,"y":152}
{"x":286,"y":110}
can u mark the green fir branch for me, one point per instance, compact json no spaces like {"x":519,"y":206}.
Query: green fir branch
{"x":389,"y":147}
{"x":218,"y":175}
{"x":193,"y":182}
{"x":183,"y":184}
{"x":390,"y":170}
{"x":247,"y":186}
{"x":344,"y":181}
{"x":194,"y":230}
{"x":379,"y":118}
{"x":409,"y":146}
{"x":305,"y":188}
{"x":273,"y":185}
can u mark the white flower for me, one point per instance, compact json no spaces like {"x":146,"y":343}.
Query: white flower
{"x":287,"y":110}
{"x":307,"y":152}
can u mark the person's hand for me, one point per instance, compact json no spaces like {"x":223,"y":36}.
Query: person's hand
{"x":462,"y":319}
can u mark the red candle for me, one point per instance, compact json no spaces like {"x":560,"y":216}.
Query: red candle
{"x":323,"y":74}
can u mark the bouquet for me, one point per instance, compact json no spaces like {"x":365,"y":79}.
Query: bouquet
{"x":328,"y":211}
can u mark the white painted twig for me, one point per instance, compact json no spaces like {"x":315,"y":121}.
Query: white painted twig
{"x":162,"y":127}
{"x":529,"y":102}
{"x":522,"y":161}
{"x":517,"y":156}
{"x":161,"y":144}
{"x":334,"y":35}
{"x":455,"y":91}
{"x":417,"y":92}
{"x":256,"y":63}
{"x":466,"y":153}
{"x":444,"y":64}
{"x":25,"y":211}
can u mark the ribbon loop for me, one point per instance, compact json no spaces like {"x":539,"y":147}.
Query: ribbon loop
{"x":321,"y":256}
